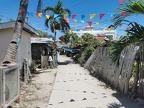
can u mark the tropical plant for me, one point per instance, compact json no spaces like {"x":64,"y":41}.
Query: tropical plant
{"x":134,"y":34}
{"x":12,"y":49}
{"x":57,"y":22}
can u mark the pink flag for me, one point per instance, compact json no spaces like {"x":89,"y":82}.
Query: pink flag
{"x":127,"y":28}
{"x":73,"y":16}
{"x":101,"y":15}
{"x":90,"y":23}
{"x":121,"y":1}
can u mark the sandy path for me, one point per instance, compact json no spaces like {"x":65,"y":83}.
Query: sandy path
{"x":75,"y":88}
{"x":36,"y":94}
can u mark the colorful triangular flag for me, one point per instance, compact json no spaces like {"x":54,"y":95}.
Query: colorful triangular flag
{"x":82,"y":21}
{"x":92,"y":16}
{"x":47,"y":16}
{"x":65,"y":15}
{"x":56,"y":15}
{"x":123,"y":13}
{"x":120,"y":25}
{"x":39,"y":14}
{"x":73,"y":16}
{"x":82,"y":17}
{"x":101,"y":15}
{"x":75,"y":20}
{"x":39,"y":7}
{"x":121,"y":1}
{"x":89,"y":23}
{"x":97,"y":23}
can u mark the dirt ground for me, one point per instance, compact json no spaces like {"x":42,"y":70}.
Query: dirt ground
{"x":37,"y":92}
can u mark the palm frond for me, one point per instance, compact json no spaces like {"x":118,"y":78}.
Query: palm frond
{"x":131,"y":8}
{"x":134,"y":35}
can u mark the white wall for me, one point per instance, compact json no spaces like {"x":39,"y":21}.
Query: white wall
{"x":24,"y":50}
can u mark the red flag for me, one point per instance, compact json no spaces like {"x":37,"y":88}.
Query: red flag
{"x":120,"y":25}
{"x":90,"y":23}
{"x":123,"y":13}
{"x":121,"y":1}
{"x":73,"y":16}
{"x":101,"y":15}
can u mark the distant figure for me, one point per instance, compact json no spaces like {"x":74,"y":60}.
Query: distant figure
{"x":50,"y":61}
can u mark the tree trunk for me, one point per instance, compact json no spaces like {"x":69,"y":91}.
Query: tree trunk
{"x":17,"y":32}
{"x":54,"y":51}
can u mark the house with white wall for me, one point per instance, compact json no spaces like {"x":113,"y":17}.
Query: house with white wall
{"x":102,"y":31}
{"x":24,"y":50}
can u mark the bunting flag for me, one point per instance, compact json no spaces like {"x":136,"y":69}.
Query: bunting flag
{"x":89,"y":23}
{"x":127,"y":28}
{"x":112,"y":14}
{"x":56,"y":15}
{"x":47,"y":16}
{"x":97,"y":23}
{"x":65,"y":15}
{"x":39,"y":14}
{"x":123,"y":13}
{"x":120,"y":25}
{"x":73,"y":16}
{"x":92,"y":16}
{"x":121,"y":1}
{"x":75,"y":20}
{"x":39,"y":7}
{"x":67,"y":20}
{"x":82,"y":17}
{"x":109,"y":29}
{"x":101,"y":15}
{"x":30,"y":14}
{"x":82,"y":21}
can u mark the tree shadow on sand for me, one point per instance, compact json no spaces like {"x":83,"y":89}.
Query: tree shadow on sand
{"x":124,"y":100}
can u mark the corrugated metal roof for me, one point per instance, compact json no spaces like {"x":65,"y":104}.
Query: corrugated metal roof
{"x":27,"y":27}
{"x":41,"y":40}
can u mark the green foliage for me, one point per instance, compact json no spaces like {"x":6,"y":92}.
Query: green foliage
{"x":12,"y":20}
{"x":134,"y":36}
{"x":57,"y":23}
{"x":88,"y":52}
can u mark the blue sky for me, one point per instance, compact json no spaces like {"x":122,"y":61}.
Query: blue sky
{"x":9,"y":9}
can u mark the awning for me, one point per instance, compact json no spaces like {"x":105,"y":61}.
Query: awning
{"x":69,"y":49}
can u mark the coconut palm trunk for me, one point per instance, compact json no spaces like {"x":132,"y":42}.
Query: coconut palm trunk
{"x":17,"y":32}
{"x":54,"y":51}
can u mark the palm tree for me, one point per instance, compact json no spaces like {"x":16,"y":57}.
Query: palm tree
{"x":12,"y":49}
{"x":134,"y":36}
{"x":58,"y":22}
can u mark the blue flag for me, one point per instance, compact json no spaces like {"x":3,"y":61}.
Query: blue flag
{"x":39,"y":7}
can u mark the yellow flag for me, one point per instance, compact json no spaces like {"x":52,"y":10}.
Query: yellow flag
{"x":65,"y":15}
{"x":109,"y":29}
{"x":92,"y":15}
{"x":47,"y":16}
{"x":75,"y":20}
{"x":97,"y":23}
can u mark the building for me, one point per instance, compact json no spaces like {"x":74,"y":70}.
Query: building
{"x":103,"y":31}
{"x":24,"y":50}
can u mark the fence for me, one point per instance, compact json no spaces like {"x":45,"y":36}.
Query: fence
{"x":100,"y":64}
